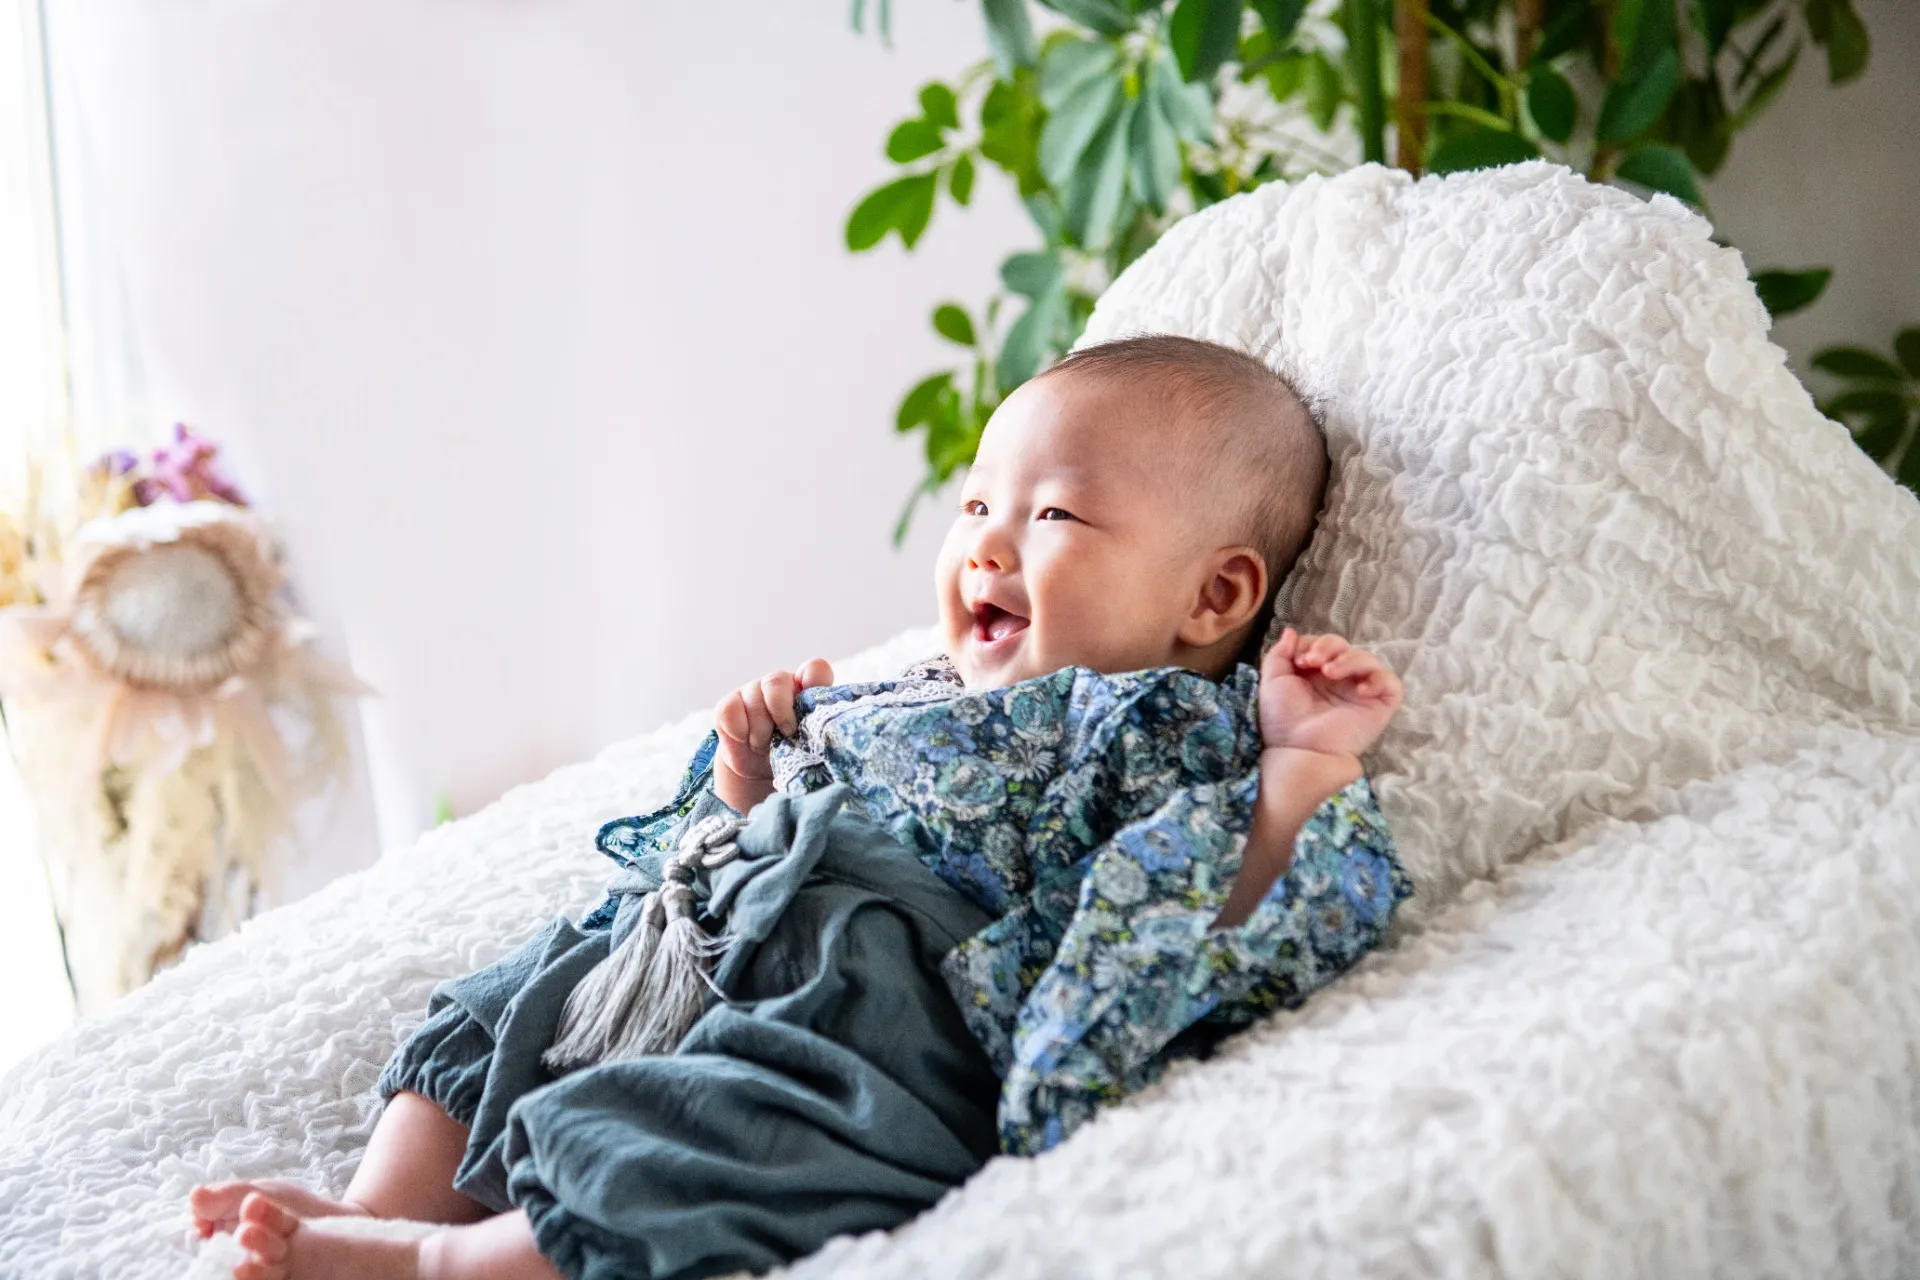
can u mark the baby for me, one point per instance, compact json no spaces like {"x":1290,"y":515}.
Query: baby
{"x":1123,"y":842}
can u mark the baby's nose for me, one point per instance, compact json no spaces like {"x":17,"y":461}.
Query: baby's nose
{"x":991,"y":548}
{"x":990,"y":555}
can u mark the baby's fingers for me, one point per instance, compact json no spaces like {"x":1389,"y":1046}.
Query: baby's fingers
{"x":759,"y":733}
{"x":1322,"y":650}
{"x":776,"y":691}
{"x":730,"y":717}
{"x":814,"y":673}
{"x":1353,"y":662}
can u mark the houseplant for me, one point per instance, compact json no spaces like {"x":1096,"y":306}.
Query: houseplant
{"x":1124,"y":115}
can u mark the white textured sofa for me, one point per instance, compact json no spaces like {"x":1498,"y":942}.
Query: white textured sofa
{"x":1655,"y":1010}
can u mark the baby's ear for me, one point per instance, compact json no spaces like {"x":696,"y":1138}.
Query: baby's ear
{"x":1230,"y":595}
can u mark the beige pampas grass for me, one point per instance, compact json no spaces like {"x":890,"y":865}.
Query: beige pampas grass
{"x":139,"y":697}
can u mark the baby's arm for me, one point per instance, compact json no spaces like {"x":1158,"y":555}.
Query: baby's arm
{"x":1322,"y":702}
{"x":746,"y":720}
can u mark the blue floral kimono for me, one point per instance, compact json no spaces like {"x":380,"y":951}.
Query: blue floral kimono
{"x":1099,"y":820}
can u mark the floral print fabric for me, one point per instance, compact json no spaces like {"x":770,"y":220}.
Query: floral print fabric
{"x":1101,"y":819}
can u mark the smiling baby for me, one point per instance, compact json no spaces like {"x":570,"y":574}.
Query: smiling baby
{"x":886,"y":931}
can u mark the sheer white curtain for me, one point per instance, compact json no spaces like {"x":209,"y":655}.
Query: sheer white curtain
{"x":33,"y":421}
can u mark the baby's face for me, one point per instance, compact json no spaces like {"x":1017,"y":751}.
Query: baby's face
{"x":1070,"y":547}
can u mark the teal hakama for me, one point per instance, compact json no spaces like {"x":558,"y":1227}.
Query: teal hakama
{"x":968,"y":920}
{"x":834,"y":1090}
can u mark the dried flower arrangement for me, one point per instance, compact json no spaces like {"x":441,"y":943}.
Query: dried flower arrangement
{"x":147,"y":641}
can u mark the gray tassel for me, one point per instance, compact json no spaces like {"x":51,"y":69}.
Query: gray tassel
{"x":651,"y":989}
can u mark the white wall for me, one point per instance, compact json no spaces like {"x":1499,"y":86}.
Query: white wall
{"x":1831,"y":177}
{"x":530,"y":319}
{"x":533,"y":324}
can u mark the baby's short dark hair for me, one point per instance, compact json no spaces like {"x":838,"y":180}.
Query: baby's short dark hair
{"x":1249,"y":430}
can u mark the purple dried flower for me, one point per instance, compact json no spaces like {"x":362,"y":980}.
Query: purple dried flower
{"x":184,"y":472}
{"x":114,"y":462}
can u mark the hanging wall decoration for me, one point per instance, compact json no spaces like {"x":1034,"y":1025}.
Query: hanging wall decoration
{"x":163,"y":700}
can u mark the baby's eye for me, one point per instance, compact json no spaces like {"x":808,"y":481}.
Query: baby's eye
{"x":973,"y":507}
{"x":1056,"y":513}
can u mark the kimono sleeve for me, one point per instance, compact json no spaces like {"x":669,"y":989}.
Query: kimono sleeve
{"x":1139,"y":964}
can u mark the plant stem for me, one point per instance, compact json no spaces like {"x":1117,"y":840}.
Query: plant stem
{"x":1606,"y":155}
{"x":1410,"y":32}
{"x":1363,"y":50}
{"x":1509,"y":91}
{"x":1526,"y":29}
{"x":1467,"y":111}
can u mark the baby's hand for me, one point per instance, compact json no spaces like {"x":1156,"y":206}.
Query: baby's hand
{"x":1318,"y":693}
{"x":746,"y":720}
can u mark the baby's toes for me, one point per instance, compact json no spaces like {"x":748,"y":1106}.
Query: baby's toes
{"x":265,"y":1245}
{"x":254,"y":1269}
{"x":272,"y":1215}
{"x":216,"y":1207}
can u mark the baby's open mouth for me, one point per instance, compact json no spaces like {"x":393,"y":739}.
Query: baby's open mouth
{"x":991,"y":623}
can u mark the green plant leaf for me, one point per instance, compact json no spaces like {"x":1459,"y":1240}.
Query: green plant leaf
{"x":1632,"y":107}
{"x":1325,"y":90}
{"x":960,"y":180}
{"x":1751,"y":63}
{"x":1847,"y":47}
{"x":1043,"y":207}
{"x":1878,"y":436}
{"x":1627,"y":16}
{"x":1644,"y":31}
{"x":1907,"y":347}
{"x":1096,"y":189}
{"x":1009,"y":35}
{"x":1662,"y":168}
{"x":919,"y":405}
{"x":1155,"y":154}
{"x":1910,"y":467}
{"x":1857,"y":363}
{"x":1565,"y":31}
{"x":1285,"y":76}
{"x":912,"y":139}
{"x":1029,"y":339}
{"x":1820,"y":20}
{"x":1010,"y":117}
{"x":952,"y":322}
{"x":1865,"y":404}
{"x":900,"y":204}
{"x":916,"y":207}
{"x":1551,"y":103}
{"x":1070,"y":65}
{"x":1104,"y":16}
{"x":1187,"y":107}
{"x":1785,"y":292}
{"x":1480,"y":148}
{"x":1766,"y":90}
{"x":1203,"y":34}
{"x":1032,"y":275}
{"x":950,"y":440}
{"x":1697,"y":121}
{"x":938,"y":106}
{"x":1280,"y":17}
{"x":1716,"y":19}
{"x":1073,"y":126}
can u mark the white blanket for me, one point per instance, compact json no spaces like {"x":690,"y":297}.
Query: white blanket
{"x":1658,"y":781}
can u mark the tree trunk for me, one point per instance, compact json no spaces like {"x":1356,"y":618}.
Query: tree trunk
{"x":1526,"y":30}
{"x":1410,"y":112}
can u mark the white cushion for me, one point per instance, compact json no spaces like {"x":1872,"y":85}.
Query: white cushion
{"x":1580,"y":504}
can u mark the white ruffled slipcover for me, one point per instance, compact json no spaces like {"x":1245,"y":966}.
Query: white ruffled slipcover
{"x":1656,"y":1009}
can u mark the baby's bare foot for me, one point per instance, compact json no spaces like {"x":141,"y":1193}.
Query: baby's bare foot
{"x":281,"y":1245}
{"x":216,"y":1207}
